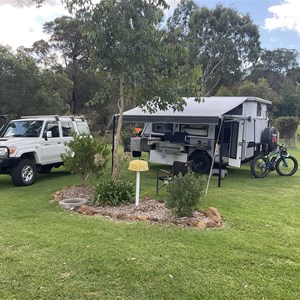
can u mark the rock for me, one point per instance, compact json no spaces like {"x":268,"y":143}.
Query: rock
{"x":86,"y":210}
{"x":57,"y":196}
{"x":213,"y":214}
{"x":132,"y":217}
{"x":142,"y":217}
{"x":211,"y":224}
{"x":201,"y":224}
{"x":191,"y":222}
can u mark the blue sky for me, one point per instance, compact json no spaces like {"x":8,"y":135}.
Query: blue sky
{"x":278,"y":20}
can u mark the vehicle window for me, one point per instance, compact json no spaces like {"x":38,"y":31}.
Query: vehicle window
{"x":24,"y":128}
{"x":83,"y":128}
{"x":67,"y":128}
{"x":52,"y":129}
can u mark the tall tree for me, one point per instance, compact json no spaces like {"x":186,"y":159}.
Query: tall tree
{"x":67,"y":38}
{"x":128,"y":47}
{"x":276,"y":65}
{"x":222,"y":41}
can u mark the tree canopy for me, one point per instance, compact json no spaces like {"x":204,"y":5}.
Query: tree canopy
{"x":112,"y":55}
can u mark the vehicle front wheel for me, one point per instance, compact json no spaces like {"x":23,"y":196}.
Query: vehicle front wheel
{"x":24,"y":173}
{"x":259,"y":167}
{"x":287,"y":166}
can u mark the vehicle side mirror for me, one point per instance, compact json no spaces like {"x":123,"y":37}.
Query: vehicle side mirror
{"x":47,"y":134}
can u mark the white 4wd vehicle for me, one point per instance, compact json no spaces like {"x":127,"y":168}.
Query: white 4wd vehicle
{"x":32,"y":145}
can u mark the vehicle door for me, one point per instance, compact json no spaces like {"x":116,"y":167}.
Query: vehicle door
{"x":236,"y":143}
{"x":52,"y":145}
{"x":68,"y":131}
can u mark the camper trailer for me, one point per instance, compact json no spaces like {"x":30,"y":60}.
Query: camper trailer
{"x":233,"y":129}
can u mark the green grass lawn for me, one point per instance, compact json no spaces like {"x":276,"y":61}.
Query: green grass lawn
{"x":49,"y":253}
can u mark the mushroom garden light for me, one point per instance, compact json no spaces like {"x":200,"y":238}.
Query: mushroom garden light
{"x":138,"y":166}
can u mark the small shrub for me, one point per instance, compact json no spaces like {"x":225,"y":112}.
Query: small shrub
{"x":114,"y":192}
{"x":184,"y":193}
{"x":85,"y":156}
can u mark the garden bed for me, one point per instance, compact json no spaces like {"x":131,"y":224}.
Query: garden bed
{"x":149,"y":210}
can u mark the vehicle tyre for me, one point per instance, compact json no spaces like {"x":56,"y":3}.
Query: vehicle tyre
{"x":269,"y":137}
{"x":259,"y":167}
{"x":24,"y":173}
{"x":287,"y":166}
{"x":201,"y":162}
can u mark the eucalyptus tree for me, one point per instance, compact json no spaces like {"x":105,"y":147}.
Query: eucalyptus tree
{"x":128,"y":46}
{"x":43,"y":53}
{"x":276,"y":66}
{"x":27,"y":89}
{"x":19,"y":77}
{"x":68,"y":40}
{"x":223,"y":42}
{"x":177,"y":44}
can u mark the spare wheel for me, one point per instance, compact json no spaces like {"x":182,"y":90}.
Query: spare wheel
{"x":269,"y":137}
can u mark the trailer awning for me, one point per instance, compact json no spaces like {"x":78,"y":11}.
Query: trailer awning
{"x":208,"y":111}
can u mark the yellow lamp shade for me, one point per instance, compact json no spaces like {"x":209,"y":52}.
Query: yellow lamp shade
{"x":138,"y":165}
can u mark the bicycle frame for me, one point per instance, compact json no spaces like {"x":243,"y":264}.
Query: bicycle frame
{"x":273,"y":156}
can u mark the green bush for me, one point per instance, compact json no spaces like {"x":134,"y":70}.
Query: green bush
{"x":86,"y":156}
{"x":287,"y":126}
{"x":184,"y":193}
{"x":114,"y":192}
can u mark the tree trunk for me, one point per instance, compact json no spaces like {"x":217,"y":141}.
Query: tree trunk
{"x":121,"y":104}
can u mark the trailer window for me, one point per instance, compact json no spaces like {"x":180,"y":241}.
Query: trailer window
{"x":237,"y":111}
{"x":162,"y":127}
{"x":195,"y":129}
{"x":258,"y":113}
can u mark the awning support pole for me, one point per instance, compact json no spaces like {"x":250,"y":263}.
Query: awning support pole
{"x":221,"y":151}
{"x":113,"y":143}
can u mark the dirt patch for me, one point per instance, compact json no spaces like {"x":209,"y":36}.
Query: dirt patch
{"x":149,"y":210}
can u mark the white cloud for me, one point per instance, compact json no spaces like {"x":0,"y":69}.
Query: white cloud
{"x":173,"y":4}
{"x":285,"y":16}
{"x":22,"y":26}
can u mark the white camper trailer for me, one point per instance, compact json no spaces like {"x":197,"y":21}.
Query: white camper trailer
{"x":233,"y":128}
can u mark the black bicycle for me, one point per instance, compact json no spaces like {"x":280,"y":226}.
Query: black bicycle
{"x":279,"y":160}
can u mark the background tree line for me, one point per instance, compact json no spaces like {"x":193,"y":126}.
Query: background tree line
{"x":119,"y":54}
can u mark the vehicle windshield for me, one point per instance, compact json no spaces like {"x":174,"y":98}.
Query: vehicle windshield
{"x":24,"y":128}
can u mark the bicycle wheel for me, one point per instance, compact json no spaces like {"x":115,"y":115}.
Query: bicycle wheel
{"x":259,"y":168}
{"x":287,"y":166}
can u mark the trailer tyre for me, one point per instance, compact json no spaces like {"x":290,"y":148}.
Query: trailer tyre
{"x":201,"y":162}
{"x":269,"y":137}
{"x":136,"y":153}
{"x":24,"y":173}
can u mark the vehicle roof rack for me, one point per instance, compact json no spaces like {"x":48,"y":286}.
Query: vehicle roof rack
{"x":56,"y":117}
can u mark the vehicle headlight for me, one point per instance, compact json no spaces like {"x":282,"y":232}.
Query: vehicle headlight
{"x":6,"y":152}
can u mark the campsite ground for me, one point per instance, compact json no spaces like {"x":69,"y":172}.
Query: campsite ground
{"x":49,"y":253}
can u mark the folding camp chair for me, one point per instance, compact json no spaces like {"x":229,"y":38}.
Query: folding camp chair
{"x":167,"y":176}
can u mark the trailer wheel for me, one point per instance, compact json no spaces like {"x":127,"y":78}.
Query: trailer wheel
{"x":136,"y":153}
{"x":201,"y":162}
{"x":269,"y":137}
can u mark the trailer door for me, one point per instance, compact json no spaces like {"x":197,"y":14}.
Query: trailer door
{"x":236,"y":143}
